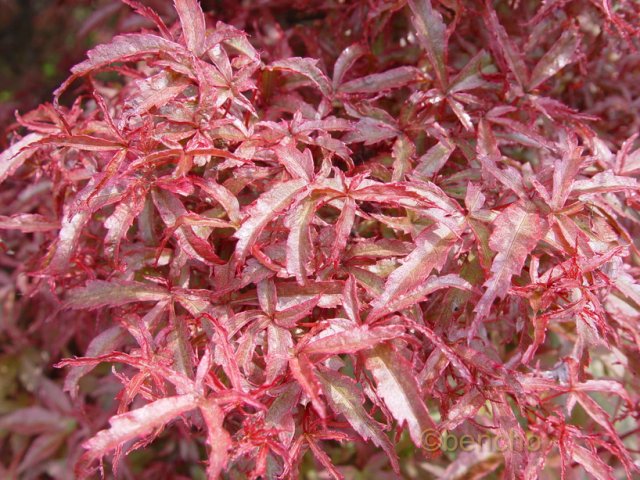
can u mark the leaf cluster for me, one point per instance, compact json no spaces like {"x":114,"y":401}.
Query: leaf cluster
{"x":249,"y":239}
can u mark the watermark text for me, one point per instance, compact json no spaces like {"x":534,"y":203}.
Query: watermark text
{"x":433,"y":441}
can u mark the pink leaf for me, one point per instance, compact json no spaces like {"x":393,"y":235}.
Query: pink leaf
{"x":68,"y":238}
{"x":516,"y":233}
{"x":507,"y":53}
{"x":299,"y":247}
{"x":559,"y":56}
{"x":120,"y":221}
{"x":431,"y":31}
{"x":306,"y":67}
{"x":418,"y":293}
{"x":134,"y":424}
{"x":173,"y":214}
{"x":350,"y":301}
{"x":346,"y":398}
{"x":18,"y":153}
{"x":470,"y":76}
{"x":431,"y":251}
{"x":218,"y":439}
{"x":86,"y":142}
{"x":279,"y":342}
{"x":280,"y":412}
{"x":222,"y":195}
{"x":370,"y":131}
{"x":379,"y":82}
{"x":260,"y":213}
{"x":565,"y":172}
{"x":345,"y":61}
{"x":433,"y":160}
{"x":466,"y":408}
{"x":604,"y":182}
{"x":267,"y":296}
{"x":490,"y":157}
{"x":402,"y":152}
{"x":109,"y":340}
{"x":343,"y":229}
{"x":591,"y":463}
{"x":154,"y":92}
{"x":150,"y":14}
{"x":352,"y":340}
{"x":324,"y":459}
{"x":603,"y":386}
{"x":463,"y":116}
{"x":400,"y":392}
{"x":193,"y":24}
{"x":125,"y":48}
{"x":302,"y":371}
{"x":288,"y":317}
{"x":298,"y":164}
{"x":100,"y":293}
{"x":507,"y":425}
{"x":26,"y":222}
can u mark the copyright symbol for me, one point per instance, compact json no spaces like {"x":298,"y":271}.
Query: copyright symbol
{"x":431,"y":440}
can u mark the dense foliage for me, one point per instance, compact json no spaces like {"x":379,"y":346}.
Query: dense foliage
{"x":321,"y":235}
{"x":40,"y":40}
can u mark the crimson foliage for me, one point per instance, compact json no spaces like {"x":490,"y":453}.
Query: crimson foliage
{"x":330,"y":223}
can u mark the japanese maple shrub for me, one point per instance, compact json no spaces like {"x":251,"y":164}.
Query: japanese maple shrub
{"x":289,"y":236}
